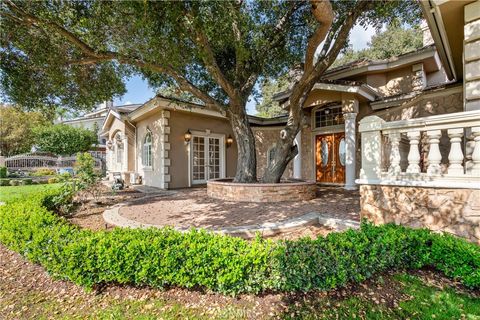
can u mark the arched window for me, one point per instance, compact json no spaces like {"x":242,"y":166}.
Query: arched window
{"x":271,"y":154}
{"x":119,"y":147}
{"x":147,"y":150}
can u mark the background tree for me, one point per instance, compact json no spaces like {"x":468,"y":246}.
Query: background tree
{"x":16,"y":129}
{"x":62,"y":139}
{"x":267,"y":107}
{"x":394,"y":41}
{"x":78,"y":53}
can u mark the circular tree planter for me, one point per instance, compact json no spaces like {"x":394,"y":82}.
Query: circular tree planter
{"x":295,"y":190}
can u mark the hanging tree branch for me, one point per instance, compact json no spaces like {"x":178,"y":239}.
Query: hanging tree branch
{"x":91,"y":56}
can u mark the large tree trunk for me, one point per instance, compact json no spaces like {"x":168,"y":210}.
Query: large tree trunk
{"x":285,"y":151}
{"x":246,"y":159}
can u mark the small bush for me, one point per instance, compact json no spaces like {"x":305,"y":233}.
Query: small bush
{"x":53,"y":180}
{"x":26,"y":182}
{"x":43,"y":172}
{"x":14,"y":182}
{"x":4,"y":182}
{"x":165,"y":257}
{"x":3,"y":172}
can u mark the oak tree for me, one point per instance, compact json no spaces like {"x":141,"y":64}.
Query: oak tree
{"x":78,"y":53}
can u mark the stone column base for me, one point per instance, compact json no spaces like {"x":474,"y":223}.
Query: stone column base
{"x":456,"y":211}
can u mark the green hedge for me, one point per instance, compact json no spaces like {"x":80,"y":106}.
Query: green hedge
{"x":3,"y":172}
{"x":165,"y":257}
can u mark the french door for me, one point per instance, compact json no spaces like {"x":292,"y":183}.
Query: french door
{"x":207,"y":160}
{"x":330,"y":158}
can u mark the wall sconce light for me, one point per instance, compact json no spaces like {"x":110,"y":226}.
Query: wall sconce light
{"x":188,"y":136}
{"x":110,"y":144}
{"x":229,"y":141}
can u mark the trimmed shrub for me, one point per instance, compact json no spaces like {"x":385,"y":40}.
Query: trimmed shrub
{"x":4,"y":182}
{"x":43,"y":172}
{"x":53,"y":180}
{"x":26,"y":182}
{"x":165,"y":257}
{"x":3,"y":172}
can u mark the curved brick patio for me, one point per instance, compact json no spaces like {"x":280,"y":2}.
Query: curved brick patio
{"x":193,"y":208}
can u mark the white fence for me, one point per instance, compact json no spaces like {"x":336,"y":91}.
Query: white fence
{"x":436,"y":151}
{"x":32,"y":161}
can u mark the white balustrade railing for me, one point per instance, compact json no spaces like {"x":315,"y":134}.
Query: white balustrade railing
{"x":457,"y":167}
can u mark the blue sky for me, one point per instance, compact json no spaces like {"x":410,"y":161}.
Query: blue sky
{"x":139,"y":92}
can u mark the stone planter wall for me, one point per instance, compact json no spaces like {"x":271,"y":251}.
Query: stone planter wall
{"x":455,"y":211}
{"x":225,"y":189}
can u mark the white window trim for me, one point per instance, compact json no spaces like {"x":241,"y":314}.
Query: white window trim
{"x":223,"y":152}
{"x":147,"y":167}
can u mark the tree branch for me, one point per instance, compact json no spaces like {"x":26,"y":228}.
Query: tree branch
{"x":208,"y":56}
{"x":323,"y":13}
{"x":94,"y":57}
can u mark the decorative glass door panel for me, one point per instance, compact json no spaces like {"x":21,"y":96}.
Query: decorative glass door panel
{"x":330,"y":158}
{"x":198,"y":159}
{"x":214,"y":168}
{"x":207,"y":159}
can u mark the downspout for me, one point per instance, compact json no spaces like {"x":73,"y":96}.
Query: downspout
{"x":135,"y":147}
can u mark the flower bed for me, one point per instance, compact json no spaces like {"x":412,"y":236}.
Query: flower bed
{"x":226,"y":189}
{"x":165,"y":257}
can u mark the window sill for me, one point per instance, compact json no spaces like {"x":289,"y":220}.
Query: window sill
{"x":147,"y":168}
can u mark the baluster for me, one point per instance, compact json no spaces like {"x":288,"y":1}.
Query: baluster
{"x":413,"y":153}
{"x":455,"y":157}
{"x":476,"y":151}
{"x":394,"y":168}
{"x":434,"y":156}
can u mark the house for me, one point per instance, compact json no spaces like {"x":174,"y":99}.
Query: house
{"x":405,"y":130}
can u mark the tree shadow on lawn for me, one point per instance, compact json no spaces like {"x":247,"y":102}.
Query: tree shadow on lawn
{"x":421,"y":294}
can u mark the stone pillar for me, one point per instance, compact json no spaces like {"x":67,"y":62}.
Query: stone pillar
{"x":472,"y":56}
{"x":455,"y":157}
{"x":297,"y":161}
{"x":2,"y":161}
{"x":434,"y":156}
{"x":413,"y":154}
{"x":350,"y":150}
{"x":419,"y":79}
{"x":370,"y":128}
{"x":476,"y":152}
{"x":395,"y":158}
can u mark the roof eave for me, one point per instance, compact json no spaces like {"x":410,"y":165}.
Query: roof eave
{"x":437,"y":29}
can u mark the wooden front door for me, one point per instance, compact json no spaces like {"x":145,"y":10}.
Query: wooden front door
{"x":330,"y":158}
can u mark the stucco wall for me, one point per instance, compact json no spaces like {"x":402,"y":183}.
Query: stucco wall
{"x":112,"y":164}
{"x":265,"y":139}
{"x":180,"y":122}
{"x":151,"y":176}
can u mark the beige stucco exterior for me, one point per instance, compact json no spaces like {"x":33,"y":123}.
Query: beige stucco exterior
{"x":180,"y":122}
{"x":170,"y":152}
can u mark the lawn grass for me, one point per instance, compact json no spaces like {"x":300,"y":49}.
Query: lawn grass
{"x":420,"y":301}
{"x":10,"y":193}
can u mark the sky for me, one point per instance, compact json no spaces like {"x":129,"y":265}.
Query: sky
{"x":138,"y":90}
